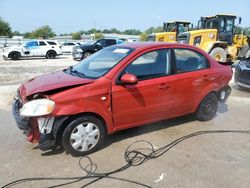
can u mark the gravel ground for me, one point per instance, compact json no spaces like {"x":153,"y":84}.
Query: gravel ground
{"x":14,"y":73}
{"x":209,"y":161}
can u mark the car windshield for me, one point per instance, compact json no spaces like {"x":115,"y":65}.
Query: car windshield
{"x":90,"y":42}
{"x":171,"y":27}
{"x":100,"y":63}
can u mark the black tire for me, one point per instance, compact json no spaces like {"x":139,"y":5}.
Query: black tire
{"x":86,"y":54}
{"x":207,"y":108}
{"x":72,"y":135}
{"x":15,"y":55}
{"x":51,"y":55}
{"x":219,"y":54}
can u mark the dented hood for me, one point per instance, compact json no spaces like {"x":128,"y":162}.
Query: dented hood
{"x":50,"y":82}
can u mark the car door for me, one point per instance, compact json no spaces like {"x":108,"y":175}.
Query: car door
{"x":42,"y":48}
{"x":193,"y":75}
{"x":151,"y":98}
{"x":31,"y":48}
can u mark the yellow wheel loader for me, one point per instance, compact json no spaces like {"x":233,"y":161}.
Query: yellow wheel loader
{"x":170,"y":31}
{"x":216,"y":35}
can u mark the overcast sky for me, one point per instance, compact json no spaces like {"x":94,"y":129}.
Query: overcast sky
{"x":65,"y":16}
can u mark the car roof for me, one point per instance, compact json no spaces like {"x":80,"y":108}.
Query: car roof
{"x":142,"y":45}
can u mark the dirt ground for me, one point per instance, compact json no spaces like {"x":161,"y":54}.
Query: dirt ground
{"x":14,"y":73}
{"x":209,"y":160}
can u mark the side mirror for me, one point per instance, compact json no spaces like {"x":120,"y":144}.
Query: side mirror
{"x":240,"y":20}
{"x":129,"y":79}
{"x":98,"y":45}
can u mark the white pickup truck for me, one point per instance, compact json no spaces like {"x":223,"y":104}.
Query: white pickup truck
{"x":34,"y":48}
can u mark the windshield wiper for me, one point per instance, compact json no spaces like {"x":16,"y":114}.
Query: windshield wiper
{"x":76,"y":72}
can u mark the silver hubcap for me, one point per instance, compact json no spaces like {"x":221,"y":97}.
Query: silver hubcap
{"x":85,"y":136}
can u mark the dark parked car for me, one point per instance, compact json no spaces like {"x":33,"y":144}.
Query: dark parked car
{"x":242,"y":73}
{"x":85,"y":50}
{"x":119,"y":87}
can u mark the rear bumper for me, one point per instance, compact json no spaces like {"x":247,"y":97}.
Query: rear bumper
{"x":243,"y":85}
{"x":224,"y":93}
{"x":242,"y":76}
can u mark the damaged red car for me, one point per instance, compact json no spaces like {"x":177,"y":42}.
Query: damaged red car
{"x":117,"y":88}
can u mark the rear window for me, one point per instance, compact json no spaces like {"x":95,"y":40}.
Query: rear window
{"x":42,"y":43}
{"x":51,"y":43}
{"x":189,"y":60}
{"x":110,"y":42}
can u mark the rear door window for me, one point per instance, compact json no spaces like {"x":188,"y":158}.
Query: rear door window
{"x":188,"y":60}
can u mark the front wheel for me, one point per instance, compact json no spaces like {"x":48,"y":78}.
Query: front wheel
{"x":207,"y":108}
{"x":15,"y":55}
{"x":83,"y":136}
{"x":86,"y":54}
{"x":219,"y":54}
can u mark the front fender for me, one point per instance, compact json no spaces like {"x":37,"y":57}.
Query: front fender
{"x":90,"y":98}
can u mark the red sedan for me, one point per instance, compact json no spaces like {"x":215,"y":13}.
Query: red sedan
{"x":119,"y":87}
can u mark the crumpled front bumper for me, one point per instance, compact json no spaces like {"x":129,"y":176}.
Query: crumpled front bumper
{"x":21,"y":121}
{"x":38,"y":129}
{"x":27,"y":125}
{"x":30,"y":128}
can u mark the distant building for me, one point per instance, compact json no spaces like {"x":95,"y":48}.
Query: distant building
{"x":65,"y":37}
{"x":127,"y":38}
{"x":69,"y":38}
{"x":17,"y":37}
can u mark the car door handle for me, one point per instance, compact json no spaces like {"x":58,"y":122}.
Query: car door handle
{"x":164,"y":86}
{"x":207,"y":78}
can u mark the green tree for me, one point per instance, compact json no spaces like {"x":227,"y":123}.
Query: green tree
{"x":114,"y":30}
{"x":93,"y":30}
{"x":106,"y":31}
{"x":244,"y":30}
{"x":154,"y":30}
{"x":17,"y":33}
{"x":27,"y":35}
{"x":132,"y":32}
{"x":76,"y":36}
{"x":43,"y":32}
{"x":143,"y":36}
{"x":99,"y":35}
{"x":82,"y":32}
{"x":5,"y":29}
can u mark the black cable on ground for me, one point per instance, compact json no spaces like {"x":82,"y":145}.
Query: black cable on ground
{"x":133,"y":157}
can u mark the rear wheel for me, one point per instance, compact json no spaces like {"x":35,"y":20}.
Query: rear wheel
{"x":15,"y":55}
{"x":51,"y":55}
{"x":84,"y":135}
{"x":207,"y":108}
{"x":219,"y":54}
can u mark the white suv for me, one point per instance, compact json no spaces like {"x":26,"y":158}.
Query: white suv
{"x":34,"y":48}
{"x":67,"y":47}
